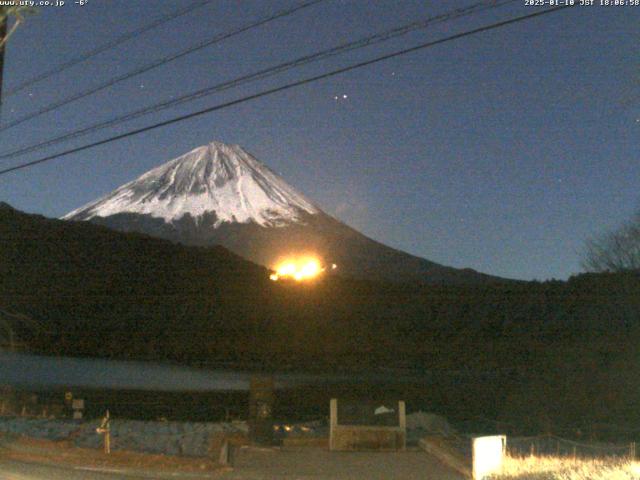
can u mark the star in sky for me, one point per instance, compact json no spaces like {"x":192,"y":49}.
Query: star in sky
{"x":448,"y":121}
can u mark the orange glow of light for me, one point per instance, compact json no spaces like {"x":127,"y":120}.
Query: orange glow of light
{"x":298,"y":269}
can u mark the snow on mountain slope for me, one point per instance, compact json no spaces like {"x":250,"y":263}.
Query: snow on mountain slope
{"x":219,"y":178}
{"x":219,"y":194}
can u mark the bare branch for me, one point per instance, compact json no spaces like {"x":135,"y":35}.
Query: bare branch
{"x":615,"y":251}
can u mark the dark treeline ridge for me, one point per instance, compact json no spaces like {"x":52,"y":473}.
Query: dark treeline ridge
{"x":565,"y":352}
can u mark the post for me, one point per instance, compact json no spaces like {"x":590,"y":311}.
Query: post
{"x":632,"y":450}
{"x":107,"y":442}
{"x":105,"y":429}
{"x":227,"y":454}
{"x":402,"y":420}
{"x":223,"y":458}
{"x":261,"y":400}
{"x":333,"y":422}
{"x":3,"y":33}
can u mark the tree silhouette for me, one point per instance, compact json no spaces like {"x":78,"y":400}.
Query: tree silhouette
{"x":615,"y":251}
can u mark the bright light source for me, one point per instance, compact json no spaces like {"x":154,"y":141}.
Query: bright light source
{"x":488,"y":454}
{"x":299,"y":269}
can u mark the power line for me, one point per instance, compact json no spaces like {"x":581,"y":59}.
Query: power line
{"x":159,"y":62}
{"x":107,"y":46}
{"x":288,"y":86}
{"x":268,"y":72}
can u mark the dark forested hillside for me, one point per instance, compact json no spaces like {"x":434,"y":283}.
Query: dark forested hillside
{"x":97,"y":292}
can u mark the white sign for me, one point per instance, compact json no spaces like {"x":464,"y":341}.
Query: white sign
{"x":488,"y":453}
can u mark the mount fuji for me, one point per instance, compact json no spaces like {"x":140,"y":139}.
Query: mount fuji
{"x":219,"y":194}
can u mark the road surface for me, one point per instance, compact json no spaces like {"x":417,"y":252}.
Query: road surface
{"x":321,"y":464}
{"x":264,"y":464}
{"x":14,"y":470}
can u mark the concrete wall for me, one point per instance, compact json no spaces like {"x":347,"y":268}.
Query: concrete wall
{"x":366,"y":437}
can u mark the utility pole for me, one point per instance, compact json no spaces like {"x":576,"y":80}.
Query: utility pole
{"x":3,"y":34}
{"x":261,"y":400}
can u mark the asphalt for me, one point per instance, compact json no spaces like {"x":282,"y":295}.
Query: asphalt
{"x":321,"y":464}
{"x":261,"y":464}
{"x":20,"y":470}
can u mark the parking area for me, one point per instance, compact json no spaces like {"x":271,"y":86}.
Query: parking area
{"x":252,"y":463}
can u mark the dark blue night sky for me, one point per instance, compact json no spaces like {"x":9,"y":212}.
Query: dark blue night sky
{"x":501,"y":152}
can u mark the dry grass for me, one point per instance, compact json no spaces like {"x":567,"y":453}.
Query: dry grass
{"x":562,"y":468}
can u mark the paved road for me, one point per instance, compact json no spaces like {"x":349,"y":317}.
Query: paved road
{"x":320,"y":464}
{"x":13,"y":470}
{"x":267,"y":464}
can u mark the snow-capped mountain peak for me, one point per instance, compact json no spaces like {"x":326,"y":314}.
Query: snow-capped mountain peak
{"x":214,"y":178}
